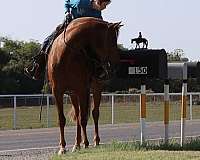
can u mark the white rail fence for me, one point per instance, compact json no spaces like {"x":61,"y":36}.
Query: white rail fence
{"x":117,"y":107}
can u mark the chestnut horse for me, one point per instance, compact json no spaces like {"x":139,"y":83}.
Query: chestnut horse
{"x":71,"y":67}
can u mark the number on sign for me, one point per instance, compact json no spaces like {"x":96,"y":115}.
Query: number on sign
{"x":137,"y":70}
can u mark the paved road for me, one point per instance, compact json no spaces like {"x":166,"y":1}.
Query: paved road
{"x":43,"y":143}
{"x":49,"y":137}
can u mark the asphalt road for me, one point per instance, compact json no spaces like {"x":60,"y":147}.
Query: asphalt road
{"x":42,"y":144}
{"x":49,"y":137}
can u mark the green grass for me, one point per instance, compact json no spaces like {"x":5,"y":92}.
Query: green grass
{"x":28,"y":117}
{"x":134,"y":151}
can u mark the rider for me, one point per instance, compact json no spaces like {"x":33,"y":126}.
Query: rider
{"x":73,"y":9}
{"x":140,"y":35}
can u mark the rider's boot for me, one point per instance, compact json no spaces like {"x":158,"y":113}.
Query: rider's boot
{"x":30,"y":71}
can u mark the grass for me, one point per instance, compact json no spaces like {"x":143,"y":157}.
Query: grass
{"x":126,"y":110}
{"x":135,"y":151}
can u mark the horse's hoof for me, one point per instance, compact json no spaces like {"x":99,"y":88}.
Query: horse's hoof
{"x":96,"y":141}
{"x":96,"y":144}
{"x":62,"y":151}
{"x":85,"y":146}
{"x":76,"y":148}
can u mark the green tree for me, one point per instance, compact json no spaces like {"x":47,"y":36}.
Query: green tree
{"x":177,"y":55}
{"x":17,"y":55}
{"x":121,"y":47}
{"x":4,"y":58}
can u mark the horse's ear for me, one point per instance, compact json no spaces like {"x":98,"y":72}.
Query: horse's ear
{"x":119,"y":25}
{"x":115,"y":25}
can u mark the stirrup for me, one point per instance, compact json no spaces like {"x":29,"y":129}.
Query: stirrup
{"x":31,"y":73}
{"x":27,"y":73}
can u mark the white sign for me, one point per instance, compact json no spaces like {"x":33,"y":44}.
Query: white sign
{"x":137,"y":70}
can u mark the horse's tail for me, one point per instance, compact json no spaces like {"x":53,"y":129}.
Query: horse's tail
{"x":72,"y":115}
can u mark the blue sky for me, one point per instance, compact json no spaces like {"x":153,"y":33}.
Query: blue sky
{"x":168,"y":24}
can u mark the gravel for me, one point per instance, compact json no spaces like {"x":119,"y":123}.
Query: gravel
{"x":35,"y":154}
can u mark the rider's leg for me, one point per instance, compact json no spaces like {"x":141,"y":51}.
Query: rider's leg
{"x":38,"y":65}
{"x":33,"y":69}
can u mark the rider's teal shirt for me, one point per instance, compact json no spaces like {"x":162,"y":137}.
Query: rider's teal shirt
{"x":82,"y":8}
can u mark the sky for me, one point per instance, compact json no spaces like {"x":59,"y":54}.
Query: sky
{"x":168,"y":24}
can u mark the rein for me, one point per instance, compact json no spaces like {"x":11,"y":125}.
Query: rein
{"x":43,"y":91}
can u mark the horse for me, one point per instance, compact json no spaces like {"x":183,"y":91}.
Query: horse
{"x":84,"y":45}
{"x":144,"y":41}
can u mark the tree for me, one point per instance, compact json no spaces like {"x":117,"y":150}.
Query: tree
{"x":176,"y":56}
{"x":121,"y":47}
{"x":16,"y":56}
{"x":4,"y":58}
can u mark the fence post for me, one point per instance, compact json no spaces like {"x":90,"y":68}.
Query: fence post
{"x":166,"y":110}
{"x":112,"y":103}
{"x":190,"y":106}
{"x":183,"y":103}
{"x":47,"y":111}
{"x":142,"y":112}
{"x":14,"y":112}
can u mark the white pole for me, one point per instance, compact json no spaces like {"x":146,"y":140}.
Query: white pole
{"x":142,"y":113}
{"x":14,"y":112}
{"x":47,"y":111}
{"x":190,"y":106}
{"x":166,"y":110}
{"x":112,"y":103}
{"x":184,"y":103}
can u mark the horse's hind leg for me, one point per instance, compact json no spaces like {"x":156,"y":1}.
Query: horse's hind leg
{"x":95,"y":114}
{"x":75,"y":103}
{"x":84,"y":115}
{"x":61,"y":119}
